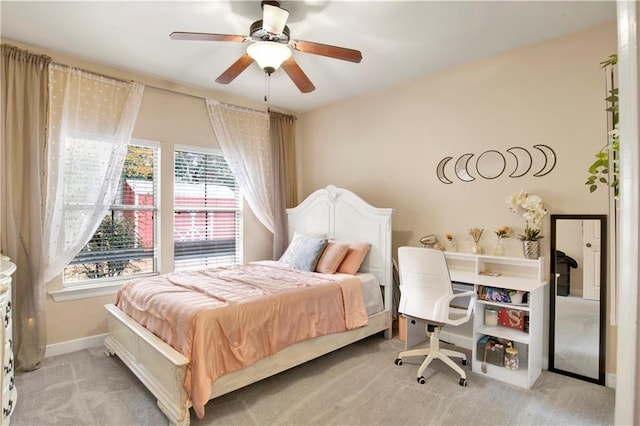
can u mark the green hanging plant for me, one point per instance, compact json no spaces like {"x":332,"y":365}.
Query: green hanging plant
{"x":607,"y":157}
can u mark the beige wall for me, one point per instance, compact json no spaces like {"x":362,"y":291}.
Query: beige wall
{"x":385,"y":146}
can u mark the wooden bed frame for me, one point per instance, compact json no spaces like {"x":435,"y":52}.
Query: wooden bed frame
{"x":336,"y":212}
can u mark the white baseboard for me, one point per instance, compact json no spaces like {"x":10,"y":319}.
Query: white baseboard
{"x":75,"y":345}
{"x":610,"y":380}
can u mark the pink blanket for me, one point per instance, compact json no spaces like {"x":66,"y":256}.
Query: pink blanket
{"x":228,"y":318}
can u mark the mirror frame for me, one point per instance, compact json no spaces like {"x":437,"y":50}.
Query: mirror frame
{"x":498,"y":159}
{"x":600,"y":380}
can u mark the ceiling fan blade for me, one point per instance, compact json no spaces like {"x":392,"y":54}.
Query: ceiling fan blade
{"x":235,"y":69}
{"x":180,"y":35}
{"x":336,"y":52}
{"x":298,"y":76}
{"x":274,"y":18}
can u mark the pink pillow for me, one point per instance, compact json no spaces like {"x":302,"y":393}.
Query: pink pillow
{"x":331,"y":257}
{"x":352,"y":261}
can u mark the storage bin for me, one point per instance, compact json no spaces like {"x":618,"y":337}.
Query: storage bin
{"x":402,"y":328}
{"x":491,"y":351}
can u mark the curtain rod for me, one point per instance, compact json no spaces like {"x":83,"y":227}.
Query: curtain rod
{"x":242,"y":108}
{"x":97,"y":74}
{"x":223,"y":103}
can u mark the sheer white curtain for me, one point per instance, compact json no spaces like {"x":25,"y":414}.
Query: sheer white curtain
{"x":91,"y":119}
{"x":244,"y":139}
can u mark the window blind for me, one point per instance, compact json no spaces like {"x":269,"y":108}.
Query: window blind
{"x":207,"y":213}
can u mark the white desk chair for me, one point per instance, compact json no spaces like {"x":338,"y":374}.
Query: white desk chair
{"x":425,"y":293}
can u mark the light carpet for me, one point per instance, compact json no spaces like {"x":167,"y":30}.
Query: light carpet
{"x":356,"y":385}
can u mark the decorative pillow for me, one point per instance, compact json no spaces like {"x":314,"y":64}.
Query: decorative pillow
{"x":354,"y":258}
{"x":331,"y":257}
{"x":303,"y":251}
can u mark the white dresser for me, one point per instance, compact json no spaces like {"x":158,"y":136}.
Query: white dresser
{"x":7,"y":384}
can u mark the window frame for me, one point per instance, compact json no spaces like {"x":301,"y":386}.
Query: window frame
{"x":164,"y":206}
{"x":101,"y":285}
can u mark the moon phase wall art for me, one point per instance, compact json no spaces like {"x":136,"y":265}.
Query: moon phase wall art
{"x":492,"y":164}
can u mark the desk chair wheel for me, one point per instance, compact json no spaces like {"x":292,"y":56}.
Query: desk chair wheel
{"x":398,"y":361}
{"x":463,"y":382}
{"x":422,"y":380}
{"x":464,"y":362}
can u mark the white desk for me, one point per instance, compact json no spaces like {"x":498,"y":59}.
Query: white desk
{"x":515,"y":273}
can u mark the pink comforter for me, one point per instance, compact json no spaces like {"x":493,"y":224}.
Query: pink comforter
{"x":228,"y":318}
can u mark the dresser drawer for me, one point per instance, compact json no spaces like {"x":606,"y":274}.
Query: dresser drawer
{"x":8,"y":384}
{"x":7,"y":368}
{"x":6,"y":311}
{"x":7,"y":321}
{"x":9,"y":400}
{"x":5,"y":290}
{"x":8,"y":355}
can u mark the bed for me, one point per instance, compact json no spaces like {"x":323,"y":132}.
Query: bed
{"x":335,"y":212}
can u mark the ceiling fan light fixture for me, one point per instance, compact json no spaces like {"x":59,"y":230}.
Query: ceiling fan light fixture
{"x":274,"y":19}
{"x":269,"y":55}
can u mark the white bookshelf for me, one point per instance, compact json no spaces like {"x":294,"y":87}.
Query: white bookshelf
{"x":526,"y":275}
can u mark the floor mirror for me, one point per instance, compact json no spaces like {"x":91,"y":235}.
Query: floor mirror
{"x":578,"y":291}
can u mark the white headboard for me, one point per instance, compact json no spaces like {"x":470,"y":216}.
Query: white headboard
{"x":342,"y":215}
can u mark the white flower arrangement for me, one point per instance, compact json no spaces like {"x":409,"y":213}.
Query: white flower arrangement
{"x":532,"y":210}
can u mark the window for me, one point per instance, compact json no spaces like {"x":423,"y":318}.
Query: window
{"x":207,"y":211}
{"x":125,"y":243}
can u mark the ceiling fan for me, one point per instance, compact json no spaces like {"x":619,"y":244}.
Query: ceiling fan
{"x":271,"y":46}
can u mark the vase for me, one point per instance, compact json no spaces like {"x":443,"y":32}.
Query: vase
{"x":531,"y":249}
{"x":477,"y":248}
{"x":453,"y":246}
{"x":516,"y":298}
{"x":499,"y":249}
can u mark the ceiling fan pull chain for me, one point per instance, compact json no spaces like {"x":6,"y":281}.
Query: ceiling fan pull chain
{"x":267,"y":89}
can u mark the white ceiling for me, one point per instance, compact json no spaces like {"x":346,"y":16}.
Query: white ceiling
{"x":398,"y":40}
